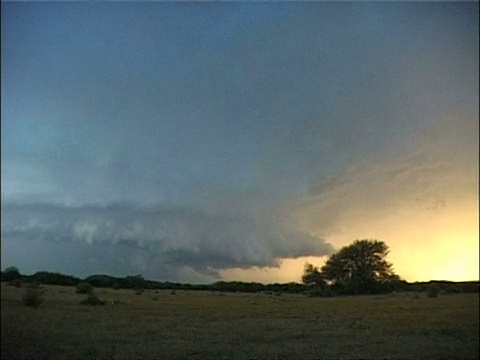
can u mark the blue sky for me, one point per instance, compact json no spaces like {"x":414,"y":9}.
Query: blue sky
{"x":198,"y":141}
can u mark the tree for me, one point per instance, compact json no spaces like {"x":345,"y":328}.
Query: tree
{"x":11,"y":269}
{"x":312,"y":276}
{"x":313,"y":279}
{"x":360,"y":268}
{"x":11,"y":273}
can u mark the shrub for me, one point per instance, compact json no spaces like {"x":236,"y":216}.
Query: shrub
{"x":92,"y":299}
{"x":453,"y":289}
{"x":316,"y":291}
{"x":116,"y":286}
{"x":34,"y":285}
{"x":17,"y":283}
{"x":83,"y":288}
{"x":118,"y":302}
{"x":471,"y":287}
{"x":32,"y":297}
{"x":433,"y":291}
{"x":327,"y":292}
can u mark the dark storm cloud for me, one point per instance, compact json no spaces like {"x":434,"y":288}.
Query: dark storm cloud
{"x":171,"y":235}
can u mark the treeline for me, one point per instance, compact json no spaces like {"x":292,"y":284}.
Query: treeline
{"x":138,"y":282}
{"x":449,"y":287}
{"x":14,"y":277}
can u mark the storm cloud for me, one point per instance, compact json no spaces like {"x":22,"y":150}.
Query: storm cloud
{"x":181,"y":140}
{"x":165,"y":236}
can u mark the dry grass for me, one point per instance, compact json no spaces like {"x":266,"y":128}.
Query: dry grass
{"x":200,"y":325}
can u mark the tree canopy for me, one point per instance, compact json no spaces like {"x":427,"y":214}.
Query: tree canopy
{"x":11,"y":273}
{"x":359,"y":268}
{"x":312,"y":276}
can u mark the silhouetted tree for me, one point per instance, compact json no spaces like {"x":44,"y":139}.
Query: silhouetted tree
{"x":312,"y":276}
{"x":360,"y":268}
{"x":11,"y":273}
{"x":313,"y":280}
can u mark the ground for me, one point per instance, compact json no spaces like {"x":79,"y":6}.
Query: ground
{"x":202,"y":325}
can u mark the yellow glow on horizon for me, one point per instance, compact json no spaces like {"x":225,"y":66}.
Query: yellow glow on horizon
{"x":290,"y":270}
{"x":447,"y":252}
{"x":424,"y":245}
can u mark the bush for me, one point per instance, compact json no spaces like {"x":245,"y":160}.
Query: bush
{"x":316,"y":291}
{"x":453,"y":289}
{"x":32,"y":297}
{"x":433,"y":291}
{"x":34,"y":285}
{"x":92,"y":299}
{"x":83,"y":288}
{"x":118,"y":302}
{"x":319,"y":291}
{"x":471,"y":287}
{"x":327,"y":292}
{"x":116,"y":286}
{"x":17,"y":283}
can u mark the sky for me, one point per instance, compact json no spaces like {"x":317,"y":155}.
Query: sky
{"x":205,"y":141}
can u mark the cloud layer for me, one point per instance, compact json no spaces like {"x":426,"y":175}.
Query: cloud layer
{"x":167,"y":236}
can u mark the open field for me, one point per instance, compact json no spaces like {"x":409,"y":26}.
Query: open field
{"x":200,"y":325}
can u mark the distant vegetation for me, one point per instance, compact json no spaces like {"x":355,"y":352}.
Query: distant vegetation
{"x":107,"y":281}
{"x":359,"y":268}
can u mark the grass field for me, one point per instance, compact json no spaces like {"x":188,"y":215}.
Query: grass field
{"x":201,"y":325}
